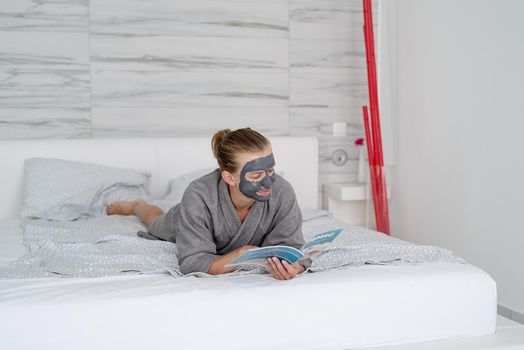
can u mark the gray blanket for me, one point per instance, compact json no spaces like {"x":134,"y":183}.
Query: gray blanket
{"x":109,"y":245}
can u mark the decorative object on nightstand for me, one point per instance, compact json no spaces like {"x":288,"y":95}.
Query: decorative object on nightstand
{"x":361,"y":173}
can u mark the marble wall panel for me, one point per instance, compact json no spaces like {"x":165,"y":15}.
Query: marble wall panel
{"x":44,"y":50}
{"x":191,"y":67}
{"x":334,"y":88}
{"x":44,"y":15}
{"x":110,"y":51}
{"x":317,"y":53}
{"x":328,"y":19}
{"x":44,"y":88}
{"x":44,"y":84}
{"x":167,"y":122}
{"x":189,"y":89}
{"x":226,"y":18}
{"x":44,"y":123}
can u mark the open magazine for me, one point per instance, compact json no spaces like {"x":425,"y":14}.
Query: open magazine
{"x":258,"y":256}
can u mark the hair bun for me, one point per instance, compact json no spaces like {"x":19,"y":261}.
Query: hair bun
{"x":218,"y":140}
{"x":227,"y":145}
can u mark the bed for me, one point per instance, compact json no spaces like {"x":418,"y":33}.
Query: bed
{"x":348,"y":307}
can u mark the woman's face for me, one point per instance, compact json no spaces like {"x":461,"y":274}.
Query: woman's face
{"x":256,"y":174}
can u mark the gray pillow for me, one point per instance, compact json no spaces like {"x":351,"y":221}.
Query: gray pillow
{"x":56,"y":189}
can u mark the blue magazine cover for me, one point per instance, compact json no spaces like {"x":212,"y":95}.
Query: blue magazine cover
{"x":319,"y":241}
{"x":291,"y":255}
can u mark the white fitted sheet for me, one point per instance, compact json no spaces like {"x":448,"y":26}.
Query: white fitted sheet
{"x":337,"y":309}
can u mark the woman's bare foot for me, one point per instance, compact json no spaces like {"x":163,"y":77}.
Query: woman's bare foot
{"x":123,"y":207}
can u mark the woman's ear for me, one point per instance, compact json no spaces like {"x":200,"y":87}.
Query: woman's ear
{"x":228,"y":178}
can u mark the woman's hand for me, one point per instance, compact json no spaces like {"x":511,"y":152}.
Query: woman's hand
{"x":282,"y":270}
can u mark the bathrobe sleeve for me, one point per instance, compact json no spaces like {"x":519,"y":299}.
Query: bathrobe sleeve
{"x":195,"y":244}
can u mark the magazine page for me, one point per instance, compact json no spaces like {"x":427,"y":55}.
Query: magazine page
{"x":320,"y":241}
{"x":259,"y":255}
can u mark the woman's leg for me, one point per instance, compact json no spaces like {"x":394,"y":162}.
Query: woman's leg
{"x":145,"y":212}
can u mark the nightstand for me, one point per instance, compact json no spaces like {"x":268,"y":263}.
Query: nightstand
{"x":349,"y":202}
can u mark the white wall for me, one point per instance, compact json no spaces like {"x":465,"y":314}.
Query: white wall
{"x":459,"y":179}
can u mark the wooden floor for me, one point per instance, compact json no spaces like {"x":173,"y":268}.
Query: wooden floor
{"x":509,"y":335}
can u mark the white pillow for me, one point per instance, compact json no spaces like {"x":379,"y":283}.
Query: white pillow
{"x":313,"y":213}
{"x":178,"y":185}
{"x":58,"y":189}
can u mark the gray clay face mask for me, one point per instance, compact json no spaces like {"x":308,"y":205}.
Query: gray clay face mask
{"x":250,"y":188}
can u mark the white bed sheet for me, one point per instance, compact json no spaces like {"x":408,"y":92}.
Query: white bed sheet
{"x":337,"y":309}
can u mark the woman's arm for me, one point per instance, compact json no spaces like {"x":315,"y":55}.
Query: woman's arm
{"x":217,"y":267}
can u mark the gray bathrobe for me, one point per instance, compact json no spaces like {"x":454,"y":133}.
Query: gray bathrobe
{"x":205,"y":224}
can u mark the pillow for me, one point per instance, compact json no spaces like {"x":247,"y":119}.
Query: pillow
{"x":178,"y":185}
{"x":56,"y":189}
{"x":313,"y":213}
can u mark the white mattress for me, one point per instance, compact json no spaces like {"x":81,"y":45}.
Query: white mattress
{"x":337,"y":309}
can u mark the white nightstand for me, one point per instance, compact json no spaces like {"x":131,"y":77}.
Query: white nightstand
{"x":349,"y":202}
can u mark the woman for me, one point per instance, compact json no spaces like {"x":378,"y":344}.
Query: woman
{"x":240,"y":206}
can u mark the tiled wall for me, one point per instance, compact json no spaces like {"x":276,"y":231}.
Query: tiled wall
{"x":134,"y":68}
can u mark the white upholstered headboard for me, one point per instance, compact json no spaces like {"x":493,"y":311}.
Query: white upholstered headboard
{"x":296,"y":157}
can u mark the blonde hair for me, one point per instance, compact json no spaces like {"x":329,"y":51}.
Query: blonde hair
{"x":227,"y":144}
